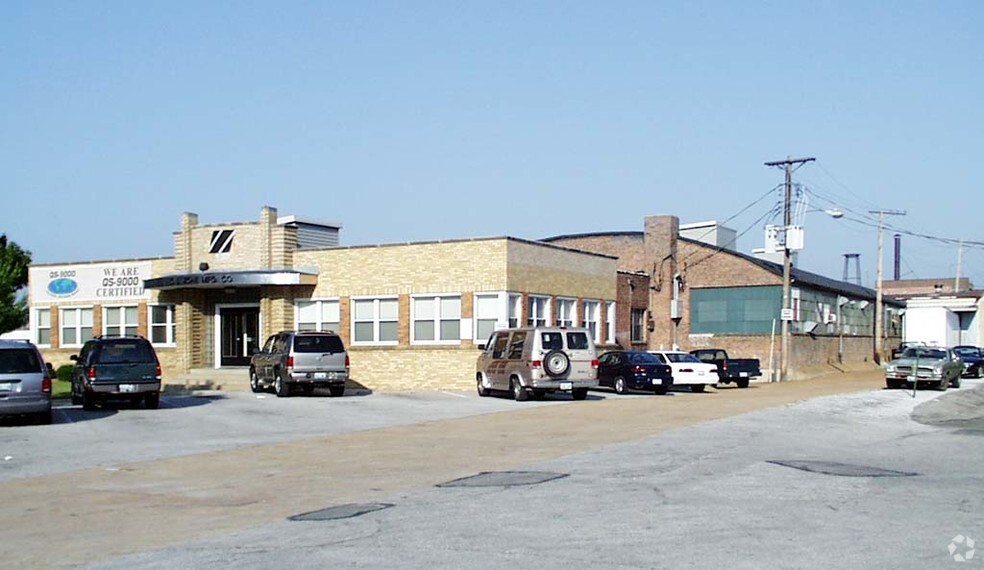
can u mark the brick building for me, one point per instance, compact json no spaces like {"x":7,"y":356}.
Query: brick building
{"x":701,"y":294}
{"x":411,"y":314}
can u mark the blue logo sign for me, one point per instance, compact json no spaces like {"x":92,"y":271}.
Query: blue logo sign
{"x":63,"y":287}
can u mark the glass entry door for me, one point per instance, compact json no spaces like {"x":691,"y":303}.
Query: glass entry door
{"x":239,"y":332}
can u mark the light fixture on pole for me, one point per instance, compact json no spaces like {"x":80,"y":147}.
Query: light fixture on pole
{"x":786,"y":313}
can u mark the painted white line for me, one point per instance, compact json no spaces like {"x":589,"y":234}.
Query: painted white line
{"x":453,"y":394}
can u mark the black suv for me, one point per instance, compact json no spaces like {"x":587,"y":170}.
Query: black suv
{"x":118,"y":368}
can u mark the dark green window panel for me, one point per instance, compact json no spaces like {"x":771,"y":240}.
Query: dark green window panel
{"x":734,"y":310}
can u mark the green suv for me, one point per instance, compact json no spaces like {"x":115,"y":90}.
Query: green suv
{"x":116,"y":368}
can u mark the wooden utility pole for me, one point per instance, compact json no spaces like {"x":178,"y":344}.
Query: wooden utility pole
{"x":879,"y":318}
{"x":786,"y":314}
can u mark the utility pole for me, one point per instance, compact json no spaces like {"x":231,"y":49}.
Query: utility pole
{"x":787,"y":311}
{"x":956,"y":281}
{"x":879,"y":318}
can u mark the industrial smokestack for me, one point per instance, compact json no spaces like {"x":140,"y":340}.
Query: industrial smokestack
{"x":898,"y":255}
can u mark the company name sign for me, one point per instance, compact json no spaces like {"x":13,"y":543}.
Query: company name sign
{"x":90,"y":282}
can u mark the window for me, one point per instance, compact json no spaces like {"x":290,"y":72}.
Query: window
{"x":120,"y":321}
{"x":516,"y":345}
{"x":610,"y":321}
{"x":162,"y":326}
{"x":537,"y":315}
{"x":76,"y":326}
{"x":591,"y":309}
{"x":42,"y":326}
{"x":486,"y":315}
{"x":566,"y":314}
{"x":638,"y":325}
{"x":515,"y":310}
{"x":317,"y":315}
{"x":375,"y":321}
{"x":436,"y":319}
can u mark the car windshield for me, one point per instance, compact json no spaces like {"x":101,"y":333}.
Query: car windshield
{"x":927,"y":353}
{"x":318,"y":343}
{"x":966,"y":351}
{"x":642,"y":358}
{"x":125,"y":352}
{"x":19,"y":361}
{"x":681,"y":357}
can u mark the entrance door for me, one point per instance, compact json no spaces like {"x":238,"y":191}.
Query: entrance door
{"x":239,"y":333}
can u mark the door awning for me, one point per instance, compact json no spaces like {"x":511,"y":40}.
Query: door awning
{"x":220,"y":279}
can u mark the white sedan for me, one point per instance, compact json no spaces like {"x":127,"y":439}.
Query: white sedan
{"x":687,"y":369}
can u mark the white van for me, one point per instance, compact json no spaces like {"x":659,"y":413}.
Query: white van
{"x":536,"y":360}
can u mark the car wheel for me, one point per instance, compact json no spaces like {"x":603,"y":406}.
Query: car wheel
{"x":980,"y":371}
{"x":152,"y":400}
{"x":956,"y":382}
{"x":88,"y":400}
{"x":280,"y":386}
{"x":660,"y":390}
{"x":556,"y":363}
{"x":336,"y":391}
{"x":254,"y":381}
{"x":44,"y":418}
{"x":696,"y":387}
{"x":620,"y":385}
{"x":518,"y":392}
{"x":742,"y":382}
{"x":943,"y":384}
{"x":579,"y":393}
{"x":482,"y":384}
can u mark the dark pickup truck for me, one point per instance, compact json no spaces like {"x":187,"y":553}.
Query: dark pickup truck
{"x":737,"y":370}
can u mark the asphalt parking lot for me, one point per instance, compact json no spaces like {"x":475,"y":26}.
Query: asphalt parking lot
{"x":211,"y":480}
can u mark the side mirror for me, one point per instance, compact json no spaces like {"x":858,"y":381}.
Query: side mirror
{"x":481,"y":347}
{"x":257,"y":350}
{"x":74,"y":357}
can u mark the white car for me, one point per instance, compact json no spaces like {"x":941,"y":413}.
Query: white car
{"x":688,"y":370}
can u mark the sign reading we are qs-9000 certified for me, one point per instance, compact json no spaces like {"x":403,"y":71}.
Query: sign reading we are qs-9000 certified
{"x":89,"y":282}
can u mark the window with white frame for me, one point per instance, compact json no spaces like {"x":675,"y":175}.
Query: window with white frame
{"x":76,"y":326}
{"x":42,"y":326}
{"x":610,"y":321}
{"x":566,"y":312}
{"x":436,"y":318}
{"x":486,"y":315}
{"x":515,"y":310}
{"x":318,"y":315}
{"x":538,"y":313}
{"x":591,"y":309}
{"x":637,"y":326}
{"x":375,"y":321}
{"x":163,"y":329}
{"x":120,"y":321}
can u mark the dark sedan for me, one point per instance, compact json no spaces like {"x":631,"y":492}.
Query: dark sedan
{"x":626,"y":370}
{"x":973,"y":359}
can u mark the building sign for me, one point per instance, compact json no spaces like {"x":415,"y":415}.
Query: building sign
{"x":231,"y":279}
{"x":101,"y":282}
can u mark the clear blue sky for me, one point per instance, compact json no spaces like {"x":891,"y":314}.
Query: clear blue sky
{"x":412,"y":121}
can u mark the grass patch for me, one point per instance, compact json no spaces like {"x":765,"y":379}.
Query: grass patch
{"x":61,"y":389}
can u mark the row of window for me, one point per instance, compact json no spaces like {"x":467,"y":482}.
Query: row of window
{"x":437,"y":318}
{"x":75,"y":324}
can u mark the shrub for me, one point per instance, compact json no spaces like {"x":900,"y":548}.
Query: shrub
{"x":64,"y":372}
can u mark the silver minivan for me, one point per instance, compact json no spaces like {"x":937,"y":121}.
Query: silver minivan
{"x":304,"y":359}
{"x":537,"y":360}
{"x":25,"y":381}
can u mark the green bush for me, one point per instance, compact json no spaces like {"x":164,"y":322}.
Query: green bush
{"x":64,"y":372}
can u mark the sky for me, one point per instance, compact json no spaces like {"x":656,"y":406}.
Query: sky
{"x":411,"y":121}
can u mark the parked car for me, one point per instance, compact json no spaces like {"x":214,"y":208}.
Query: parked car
{"x":938,"y":367}
{"x":536,"y":361}
{"x":737,"y":370}
{"x":687,"y":370}
{"x":300,"y":359}
{"x":116,"y":368}
{"x":897,"y":352}
{"x":626,"y":370}
{"x":25,"y":381}
{"x":973,"y":359}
